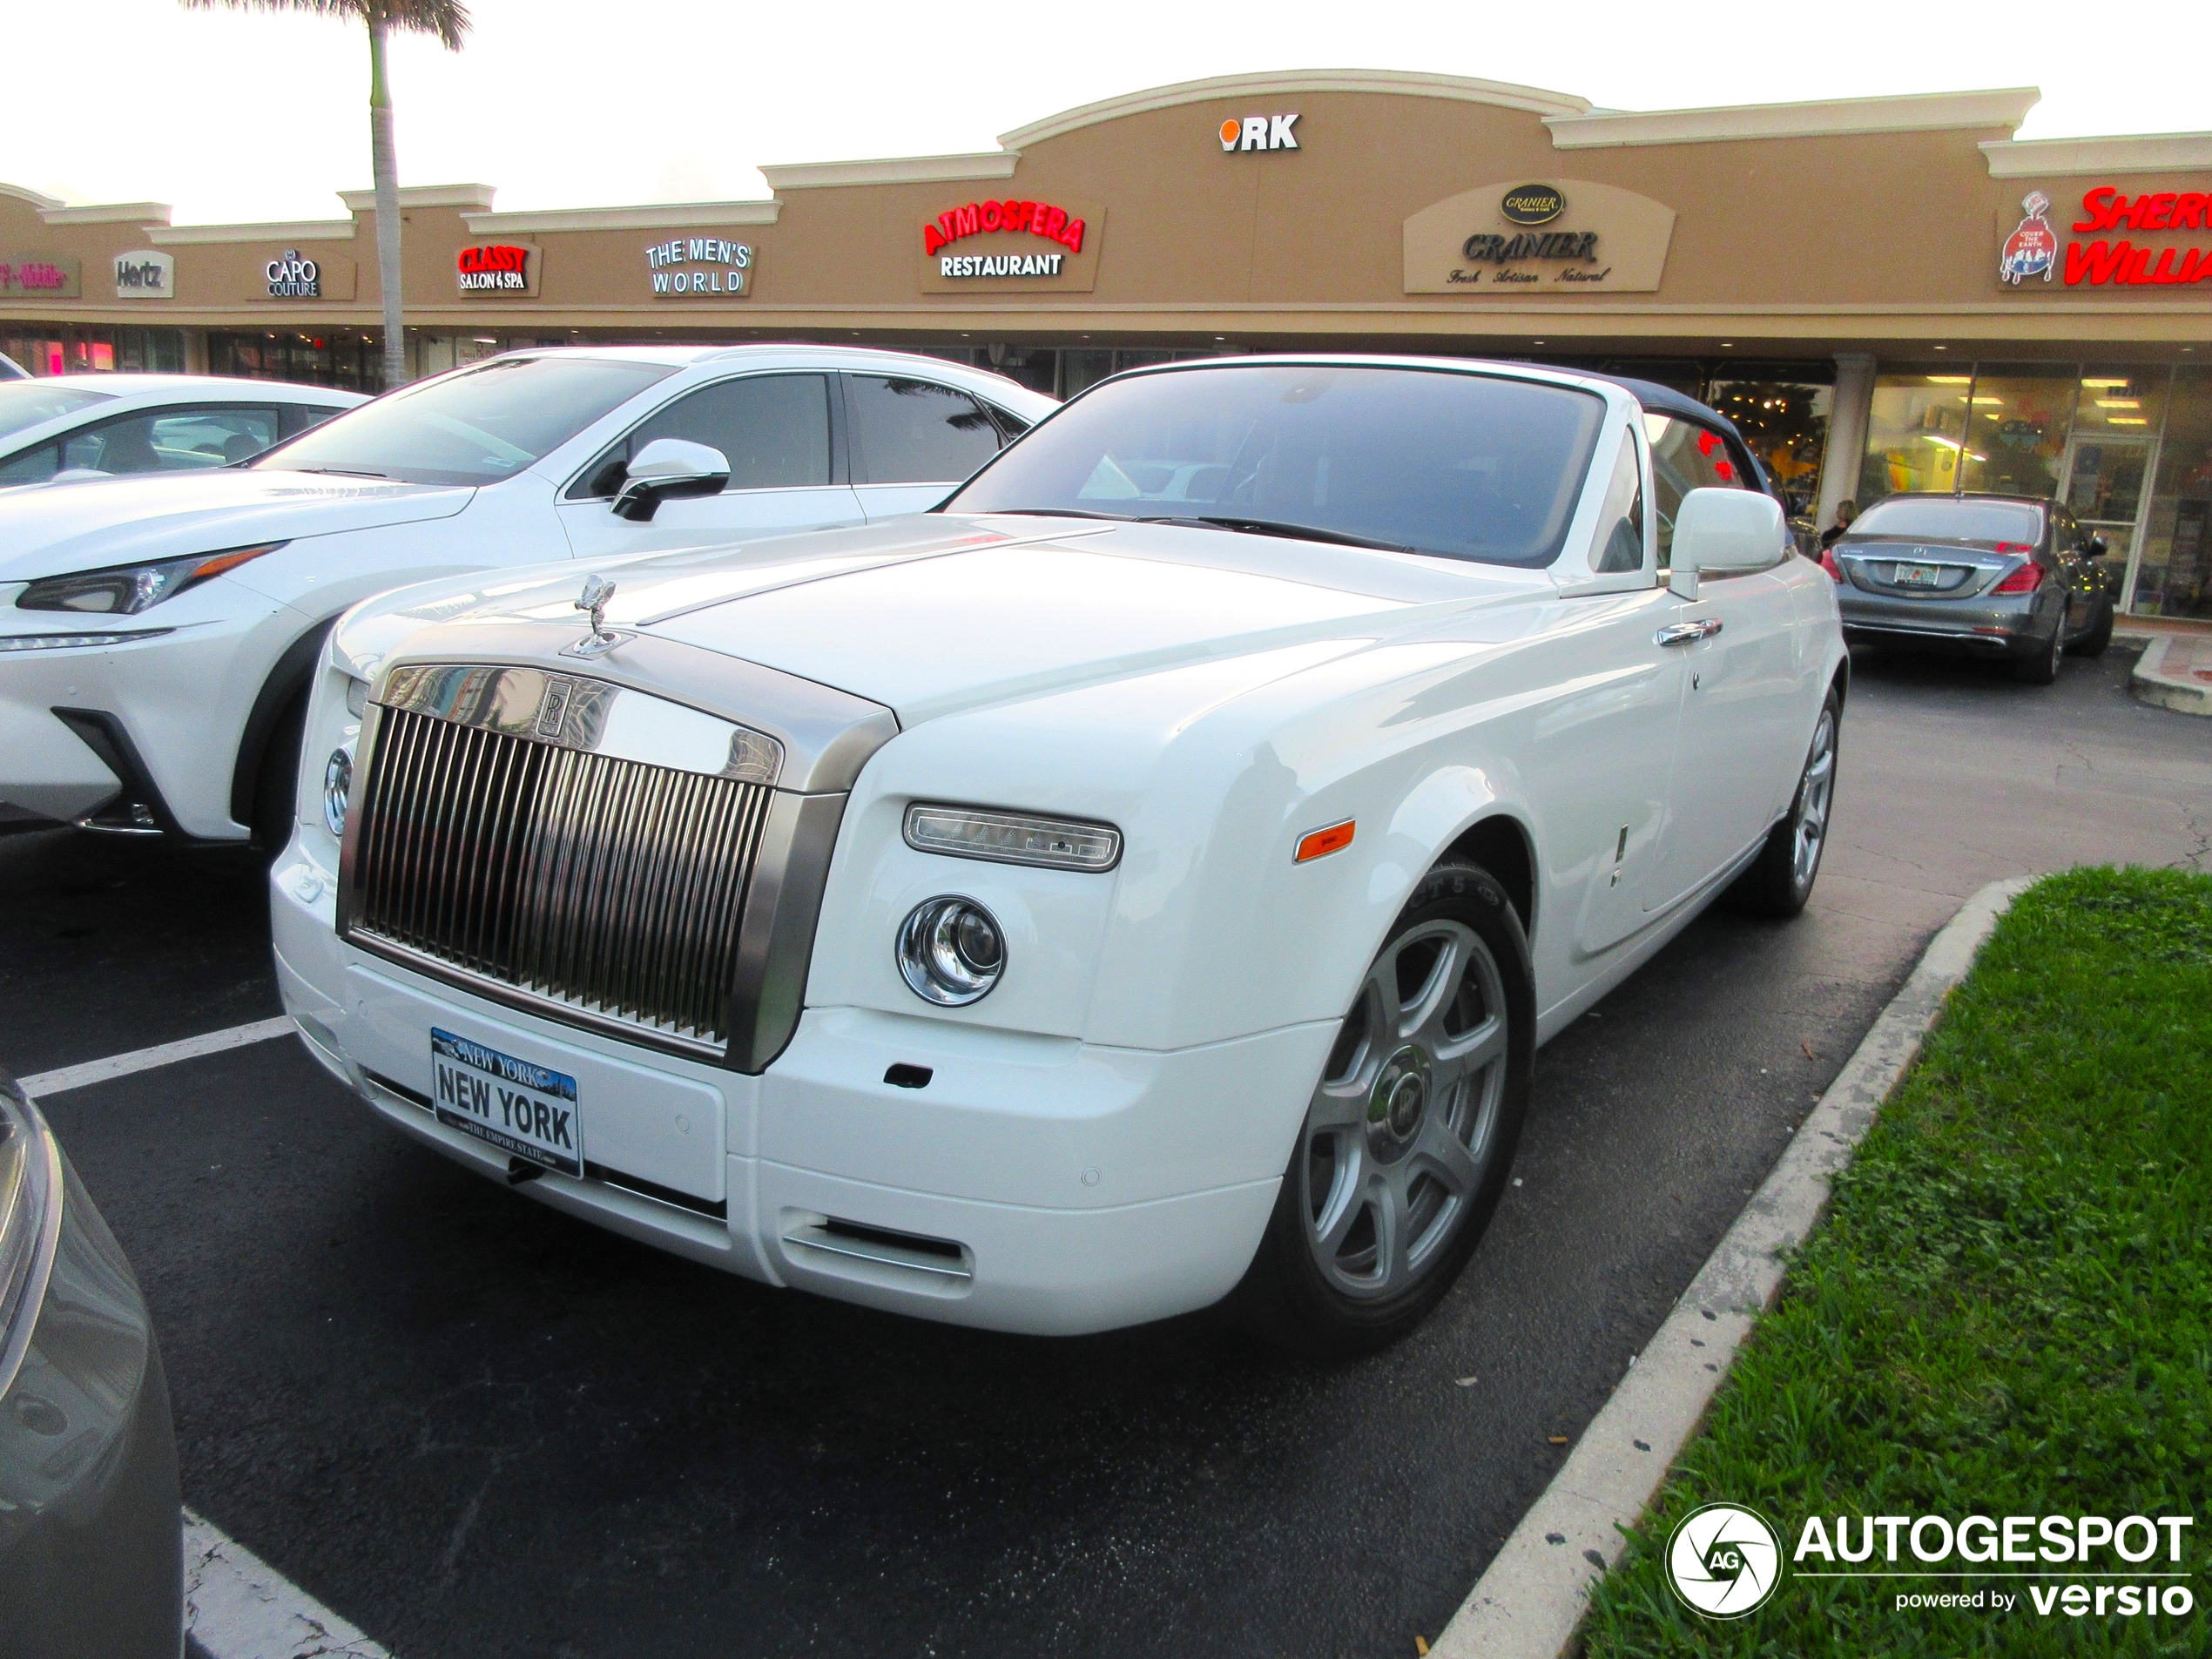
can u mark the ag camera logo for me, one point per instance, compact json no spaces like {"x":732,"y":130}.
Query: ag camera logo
{"x":1724,"y":1560}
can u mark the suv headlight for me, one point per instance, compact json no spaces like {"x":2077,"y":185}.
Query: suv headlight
{"x":126,"y":590}
{"x":30,"y":1219}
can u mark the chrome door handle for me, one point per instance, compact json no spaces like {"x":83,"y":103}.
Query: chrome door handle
{"x":1681,"y":633}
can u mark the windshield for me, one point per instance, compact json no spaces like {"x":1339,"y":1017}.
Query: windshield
{"x":25,"y":403}
{"x":474,"y":428}
{"x":1458,"y":465}
{"x":1947,"y":518}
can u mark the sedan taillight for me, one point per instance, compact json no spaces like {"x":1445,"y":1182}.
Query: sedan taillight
{"x":2026,"y":579}
{"x":1828,"y":563}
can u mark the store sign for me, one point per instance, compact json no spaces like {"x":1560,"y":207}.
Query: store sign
{"x":1561,"y":236}
{"x":1011,"y":244}
{"x":496,"y":269}
{"x":39,"y":276}
{"x":291,"y":277}
{"x":1258,"y":132}
{"x":699,"y":268}
{"x":2130,"y":247}
{"x":145,"y":274}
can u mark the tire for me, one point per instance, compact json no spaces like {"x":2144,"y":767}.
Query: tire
{"x":1409,"y":1137}
{"x":1778,"y":882}
{"x":2092,"y":644}
{"x":2039,"y":664}
{"x":276,"y":790}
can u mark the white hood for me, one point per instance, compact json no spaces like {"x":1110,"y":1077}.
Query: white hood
{"x":52,"y":530}
{"x":934,"y":614}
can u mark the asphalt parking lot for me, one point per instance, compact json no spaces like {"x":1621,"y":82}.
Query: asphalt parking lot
{"x":474,"y":1427}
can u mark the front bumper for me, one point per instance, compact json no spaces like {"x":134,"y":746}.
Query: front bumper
{"x":1033,"y":1184}
{"x":90,"y":1534}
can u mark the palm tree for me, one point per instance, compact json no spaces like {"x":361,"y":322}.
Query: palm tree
{"x":448,"y":20}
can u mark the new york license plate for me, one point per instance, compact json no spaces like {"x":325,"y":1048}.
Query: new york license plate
{"x":523,"y":1109}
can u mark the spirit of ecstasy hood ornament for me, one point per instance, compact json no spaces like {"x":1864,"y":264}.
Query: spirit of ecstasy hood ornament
{"x":593,"y":603}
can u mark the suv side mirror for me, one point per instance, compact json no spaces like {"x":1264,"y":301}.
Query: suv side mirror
{"x":2099,"y":547}
{"x":669,"y":470}
{"x":1724,"y":530}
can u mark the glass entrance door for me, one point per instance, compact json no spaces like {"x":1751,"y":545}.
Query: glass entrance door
{"x":2105,"y":486}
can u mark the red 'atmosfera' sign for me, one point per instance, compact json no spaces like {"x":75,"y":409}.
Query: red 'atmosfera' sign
{"x":494,"y":269}
{"x":1038,"y":219}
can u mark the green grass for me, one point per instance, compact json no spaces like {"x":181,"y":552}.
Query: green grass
{"x":2007,"y":1309}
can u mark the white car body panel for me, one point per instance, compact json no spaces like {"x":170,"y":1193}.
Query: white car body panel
{"x":136,"y":393}
{"x":187,"y":694}
{"x":1103,"y":1134}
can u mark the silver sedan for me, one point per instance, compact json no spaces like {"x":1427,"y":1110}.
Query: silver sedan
{"x":2013,"y":577}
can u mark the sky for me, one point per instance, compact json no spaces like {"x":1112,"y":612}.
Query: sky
{"x":237,"y":116}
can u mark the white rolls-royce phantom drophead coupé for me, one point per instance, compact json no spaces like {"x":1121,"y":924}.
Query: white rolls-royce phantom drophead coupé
{"x":1142,"y":880}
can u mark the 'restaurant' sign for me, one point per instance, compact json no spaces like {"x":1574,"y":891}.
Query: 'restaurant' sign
{"x":39,"y":276}
{"x":701,"y":267}
{"x":2149,"y":239}
{"x":1559,"y":236}
{"x":145,"y":273}
{"x":1011,"y":245}
{"x":497,"y":269}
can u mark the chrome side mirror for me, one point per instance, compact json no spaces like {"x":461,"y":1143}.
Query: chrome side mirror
{"x":1724,"y":530}
{"x":669,"y":470}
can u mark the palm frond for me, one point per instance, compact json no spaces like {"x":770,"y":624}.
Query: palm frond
{"x":448,"y":19}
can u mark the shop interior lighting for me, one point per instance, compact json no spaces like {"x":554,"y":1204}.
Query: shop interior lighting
{"x":2127,"y":420}
{"x":2110,"y":382}
{"x":1950,"y":380}
{"x":2119,"y":403}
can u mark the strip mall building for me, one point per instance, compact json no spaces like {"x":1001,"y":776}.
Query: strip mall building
{"x":1887,"y":294}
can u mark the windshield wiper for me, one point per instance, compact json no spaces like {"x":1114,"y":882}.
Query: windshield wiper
{"x":1274,"y":527}
{"x":1062,"y":512}
{"x":346,"y":472}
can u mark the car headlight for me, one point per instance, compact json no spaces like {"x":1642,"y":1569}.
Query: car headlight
{"x":951,"y":951}
{"x":1013,"y":837}
{"x":337,"y":789}
{"x":31,"y":1217}
{"x":126,"y":590}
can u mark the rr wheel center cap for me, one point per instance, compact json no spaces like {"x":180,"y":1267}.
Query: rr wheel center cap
{"x":1398,"y":1101}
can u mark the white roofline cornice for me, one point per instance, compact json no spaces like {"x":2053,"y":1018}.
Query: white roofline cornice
{"x":109,"y":214}
{"x":1290,"y":84}
{"x":2133,"y":152}
{"x":660,"y":216}
{"x":23,"y":193}
{"x":476,"y":196}
{"x":1915,"y":112}
{"x":299,"y":230}
{"x":896,"y":169}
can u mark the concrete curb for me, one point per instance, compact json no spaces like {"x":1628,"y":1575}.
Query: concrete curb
{"x":1532,"y":1599}
{"x":2166,"y":674}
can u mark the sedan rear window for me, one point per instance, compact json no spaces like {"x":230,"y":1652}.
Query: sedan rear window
{"x":1458,"y":465}
{"x":27,"y":404}
{"x":1948,"y":518}
{"x":474,"y":428}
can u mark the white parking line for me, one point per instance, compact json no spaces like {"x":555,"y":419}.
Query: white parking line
{"x":238,"y":1607}
{"x":122,"y":1065}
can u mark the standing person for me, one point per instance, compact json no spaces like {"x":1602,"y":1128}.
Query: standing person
{"x":1845,"y":511}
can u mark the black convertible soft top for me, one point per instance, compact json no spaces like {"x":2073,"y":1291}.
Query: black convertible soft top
{"x":1665,"y":400}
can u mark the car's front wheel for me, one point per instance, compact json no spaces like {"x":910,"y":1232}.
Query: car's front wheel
{"x":1410,"y":1134}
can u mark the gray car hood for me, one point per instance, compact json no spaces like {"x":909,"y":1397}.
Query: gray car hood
{"x":52,"y":530}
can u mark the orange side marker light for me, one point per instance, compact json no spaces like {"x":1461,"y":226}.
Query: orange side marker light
{"x":1319,"y":844}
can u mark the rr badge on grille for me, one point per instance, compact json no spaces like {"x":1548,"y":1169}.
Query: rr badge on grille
{"x":552,"y":708}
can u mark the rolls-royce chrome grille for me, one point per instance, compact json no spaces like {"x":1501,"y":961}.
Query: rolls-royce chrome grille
{"x":607,"y":886}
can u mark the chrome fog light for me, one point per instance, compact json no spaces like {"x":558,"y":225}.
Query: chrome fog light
{"x":337,"y":788}
{"x":951,"y":951}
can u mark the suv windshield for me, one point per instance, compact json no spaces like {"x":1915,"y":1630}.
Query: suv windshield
{"x":474,"y":427}
{"x":1463,"y":466}
{"x":25,"y":403}
{"x":1948,"y":518}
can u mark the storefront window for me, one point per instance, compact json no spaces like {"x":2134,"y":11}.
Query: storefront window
{"x":2016,"y":436}
{"x":1785,"y":422}
{"x":350,"y":358}
{"x":2174,"y":576}
{"x":66,"y":349}
{"x":1914,"y":434}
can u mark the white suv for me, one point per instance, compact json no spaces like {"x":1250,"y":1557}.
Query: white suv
{"x":157,"y":632}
